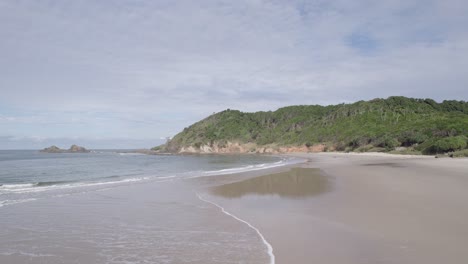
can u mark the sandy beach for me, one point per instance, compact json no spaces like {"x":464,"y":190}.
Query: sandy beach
{"x":331,"y":209}
{"x":355,"y":208}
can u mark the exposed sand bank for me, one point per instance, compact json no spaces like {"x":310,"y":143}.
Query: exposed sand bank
{"x":369,"y":209}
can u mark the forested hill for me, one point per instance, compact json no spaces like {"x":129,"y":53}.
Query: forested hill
{"x":376,"y":125}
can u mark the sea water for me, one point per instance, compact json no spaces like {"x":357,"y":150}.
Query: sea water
{"x":114,"y":207}
{"x":27,"y":175}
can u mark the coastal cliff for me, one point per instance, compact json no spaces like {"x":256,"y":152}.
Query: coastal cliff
{"x":414,"y":126}
{"x":236,"y":147}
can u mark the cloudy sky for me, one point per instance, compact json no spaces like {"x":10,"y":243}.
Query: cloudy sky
{"x":126,"y":73}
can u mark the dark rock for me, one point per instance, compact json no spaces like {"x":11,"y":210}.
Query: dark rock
{"x":72,"y":149}
{"x":77,"y":149}
{"x":52,"y":149}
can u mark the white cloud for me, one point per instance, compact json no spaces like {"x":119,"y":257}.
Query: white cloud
{"x":7,"y":118}
{"x":150,"y":68}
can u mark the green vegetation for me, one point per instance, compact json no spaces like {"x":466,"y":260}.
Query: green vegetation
{"x":450,"y":144}
{"x":158,"y":148}
{"x":461,"y":153}
{"x":418,"y":125}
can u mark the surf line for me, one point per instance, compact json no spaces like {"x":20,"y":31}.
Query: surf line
{"x":268,"y":245}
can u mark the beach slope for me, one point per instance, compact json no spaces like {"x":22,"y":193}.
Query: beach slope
{"x":352,"y":208}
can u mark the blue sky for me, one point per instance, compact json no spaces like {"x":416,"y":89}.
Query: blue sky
{"x":126,"y":73}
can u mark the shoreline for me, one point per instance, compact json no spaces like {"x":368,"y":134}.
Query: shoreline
{"x":333,"y":208}
{"x":291,"y":151}
{"x":374,"y":154}
{"x":265,"y":242}
{"x":369,"y":215}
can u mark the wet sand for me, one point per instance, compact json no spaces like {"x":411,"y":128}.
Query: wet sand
{"x":294,"y":183}
{"x":152,"y":222}
{"x":334,"y":209}
{"x":342,"y":208}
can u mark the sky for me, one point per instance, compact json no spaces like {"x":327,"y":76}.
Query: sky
{"x":128,"y":73}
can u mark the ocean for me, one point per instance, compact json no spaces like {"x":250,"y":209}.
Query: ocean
{"x":27,"y":175}
{"x":113,"y":207}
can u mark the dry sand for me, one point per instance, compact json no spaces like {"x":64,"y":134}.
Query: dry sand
{"x":357,"y":209}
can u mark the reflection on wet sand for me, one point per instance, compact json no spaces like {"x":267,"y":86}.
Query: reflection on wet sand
{"x":295,"y":183}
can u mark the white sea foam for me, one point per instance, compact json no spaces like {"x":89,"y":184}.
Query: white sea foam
{"x":28,"y":254}
{"x":263,"y":166}
{"x":130,"y":154}
{"x":33,"y":188}
{"x":268,"y":245}
{"x":16,"y":186}
{"x":10,"y":202}
{"x":20,"y":190}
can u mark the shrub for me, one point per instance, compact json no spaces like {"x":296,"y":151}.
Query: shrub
{"x":348,"y":149}
{"x":358,"y":142}
{"x":450,"y":144}
{"x":340,"y":146}
{"x":365,"y":148}
{"x":460,"y":153}
{"x":427,"y":148}
{"x":157,"y":148}
{"x":376,"y":149}
{"x":409,"y":138}
{"x":387,"y":142}
{"x":198,"y":144}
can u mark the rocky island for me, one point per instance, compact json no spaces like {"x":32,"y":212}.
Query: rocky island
{"x":72,"y":149}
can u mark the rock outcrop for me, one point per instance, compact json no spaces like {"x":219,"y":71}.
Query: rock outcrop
{"x":72,"y":149}
{"x":77,"y":149}
{"x":235,"y":147}
{"x":52,"y":149}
